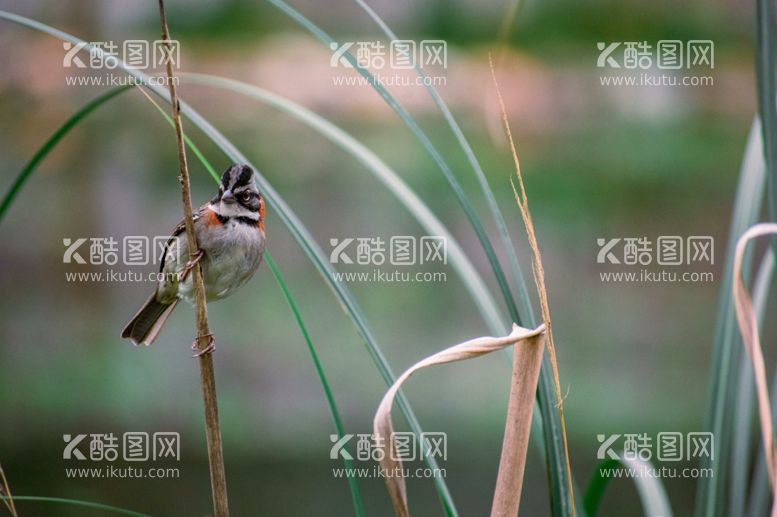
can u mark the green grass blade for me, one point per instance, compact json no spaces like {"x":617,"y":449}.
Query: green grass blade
{"x":765,"y":70}
{"x":504,"y":235}
{"x":189,"y":144}
{"x":287,"y":216}
{"x":711,"y":493}
{"x":651,"y":491}
{"x":760,"y":491}
{"x":76,"y":502}
{"x":765,"y":74}
{"x":561,"y":500}
{"x":319,"y":259}
{"x":426,"y":143}
{"x":352,"y":482}
{"x":390,"y":179}
{"x":21,"y":179}
{"x":746,"y":397}
{"x":71,"y":123}
{"x":496,"y":214}
{"x":458,"y":260}
{"x":743,"y":437}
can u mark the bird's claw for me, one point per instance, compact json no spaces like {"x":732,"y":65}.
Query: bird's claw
{"x":190,"y":265}
{"x":209,"y":348}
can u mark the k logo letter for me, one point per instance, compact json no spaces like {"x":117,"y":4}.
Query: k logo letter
{"x":71,"y":253}
{"x":71,"y":449}
{"x":605,"y":54}
{"x":338,"y":450}
{"x":605,"y":251}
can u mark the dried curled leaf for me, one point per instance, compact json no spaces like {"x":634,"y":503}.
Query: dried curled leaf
{"x":383,"y":428}
{"x":748,"y":327}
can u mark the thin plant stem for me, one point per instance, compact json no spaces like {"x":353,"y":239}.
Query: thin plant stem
{"x":5,"y":493}
{"x":539,"y":280}
{"x":527,"y":360}
{"x":76,"y":502}
{"x":207,"y":377}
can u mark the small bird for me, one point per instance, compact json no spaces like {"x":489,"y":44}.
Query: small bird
{"x":231,"y":240}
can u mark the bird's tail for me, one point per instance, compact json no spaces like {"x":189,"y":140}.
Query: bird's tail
{"x":146,"y":324}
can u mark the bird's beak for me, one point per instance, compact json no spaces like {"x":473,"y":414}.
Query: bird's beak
{"x":228,"y":197}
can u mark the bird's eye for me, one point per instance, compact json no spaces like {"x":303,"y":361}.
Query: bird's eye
{"x":245,"y":196}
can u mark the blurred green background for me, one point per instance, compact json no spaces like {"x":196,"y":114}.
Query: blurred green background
{"x":598,"y":162}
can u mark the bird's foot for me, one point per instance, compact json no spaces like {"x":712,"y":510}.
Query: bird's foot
{"x":209,"y":348}
{"x":190,"y":265}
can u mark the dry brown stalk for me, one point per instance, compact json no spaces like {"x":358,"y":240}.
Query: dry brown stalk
{"x":539,"y":280}
{"x":207,"y":378}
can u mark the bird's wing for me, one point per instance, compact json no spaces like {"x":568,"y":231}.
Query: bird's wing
{"x":178,"y":230}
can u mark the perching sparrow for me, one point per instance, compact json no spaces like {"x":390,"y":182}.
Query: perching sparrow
{"x":230,"y":236}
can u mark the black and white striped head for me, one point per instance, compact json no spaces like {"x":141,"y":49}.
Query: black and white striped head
{"x":238,"y":195}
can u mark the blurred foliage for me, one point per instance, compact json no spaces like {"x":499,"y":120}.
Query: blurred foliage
{"x":606,"y":168}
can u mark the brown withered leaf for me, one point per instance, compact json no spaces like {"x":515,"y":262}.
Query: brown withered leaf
{"x":748,"y":327}
{"x":383,"y":427}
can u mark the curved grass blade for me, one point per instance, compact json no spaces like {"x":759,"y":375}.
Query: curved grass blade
{"x":72,"y":122}
{"x":528,"y":345}
{"x":52,"y":141}
{"x":651,"y":491}
{"x":740,"y":462}
{"x":192,"y":147}
{"x":760,"y":492}
{"x":526,"y":309}
{"x":496,"y":214}
{"x":765,"y":75}
{"x":288,"y":217}
{"x":748,"y":324}
{"x":460,"y":262}
{"x":561,"y":502}
{"x":353,"y":484}
{"x":390,"y":179}
{"x":727,"y":354}
{"x":424,"y":140}
{"x":76,"y":502}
